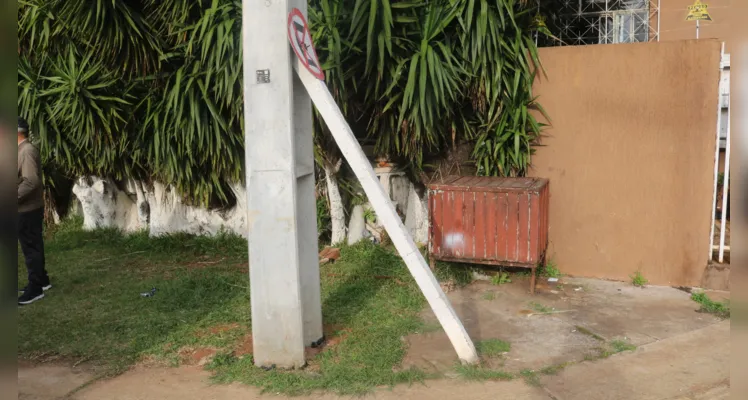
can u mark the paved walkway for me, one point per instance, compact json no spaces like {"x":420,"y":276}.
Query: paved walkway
{"x":693,"y":365}
{"x":585,"y":313}
{"x":688,"y":366}
{"x":680,"y":355}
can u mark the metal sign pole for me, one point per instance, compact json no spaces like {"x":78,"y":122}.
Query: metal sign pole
{"x":696,"y":12}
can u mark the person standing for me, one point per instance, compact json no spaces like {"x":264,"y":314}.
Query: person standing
{"x":31,"y":216}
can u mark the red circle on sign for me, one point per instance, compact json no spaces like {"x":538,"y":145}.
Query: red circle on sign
{"x":301,"y":42}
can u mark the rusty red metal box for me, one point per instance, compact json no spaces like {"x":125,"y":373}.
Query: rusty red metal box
{"x":489,"y":220}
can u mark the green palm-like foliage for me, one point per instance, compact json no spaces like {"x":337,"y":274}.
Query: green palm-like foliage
{"x":85,"y":95}
{"x":152,"y":89}
{"x":136,"y":88}
{"x":504,"y":59}
{"x":200,"y":105}
{"x":429,"y":74}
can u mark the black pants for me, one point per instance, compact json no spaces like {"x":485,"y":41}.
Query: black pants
{"x":31,"y":238}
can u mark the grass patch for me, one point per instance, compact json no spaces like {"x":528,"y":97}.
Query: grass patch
{"x":555,"y":369}
{"x":222,"y":359}
{"x":479,"y":373}
{"x":720,"y":309}
{"x":500,"y":279}
{"x":540,"y":308}
{"x":429,"y":327}
{"x":492,"y":347}
{"x":95,"y":312}
{"x":550,"y":270}
{"x":619,"y":346}
{"x":638,"y":280}
{"x":523,"y":273}
{"x":460,"y":274}
{"x":588,"y":332}
{"x":609,"y":349}
{"x":488,"y":296}
{"x":531,"y":377}
{"x":591,"y":357}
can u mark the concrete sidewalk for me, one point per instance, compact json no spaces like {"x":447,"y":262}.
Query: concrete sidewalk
{"x":680,"y":354}
{"x":192,"y":383}
{"x":691,"y":366}
{"x":563,"y":322}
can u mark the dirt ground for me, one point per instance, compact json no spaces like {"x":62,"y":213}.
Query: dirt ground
{"x":680,"y":354}
{"x":718,"y":231}
{"x":717,"y":236}
{"x":583,"y":314}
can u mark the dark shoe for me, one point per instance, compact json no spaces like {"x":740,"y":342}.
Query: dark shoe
{"x":28,"y":298}
{"x":45,"y":288}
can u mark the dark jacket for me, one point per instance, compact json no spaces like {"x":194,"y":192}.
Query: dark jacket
{"x":30,"y":191}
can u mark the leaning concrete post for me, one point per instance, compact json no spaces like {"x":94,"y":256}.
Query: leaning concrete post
{"x":307,"y":68}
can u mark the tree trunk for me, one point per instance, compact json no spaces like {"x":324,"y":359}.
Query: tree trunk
{"x":142,"y":202}
{"x":337,"y":212}
{"x":158,"y":208}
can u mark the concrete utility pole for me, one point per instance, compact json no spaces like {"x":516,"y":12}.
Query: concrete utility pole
{"x":284,"y":268}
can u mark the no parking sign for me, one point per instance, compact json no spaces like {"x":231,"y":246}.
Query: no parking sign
{"x":301,"y":42}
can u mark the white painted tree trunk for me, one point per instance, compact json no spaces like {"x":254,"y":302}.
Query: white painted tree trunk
{"x":56,"y":217}
{"x":337,"y":212}
{"x":143,"y":207}
{"x":105,"y":206}
{"x":417,"y":217}
{"x":159,"y":209}
{"x":357,"y":225}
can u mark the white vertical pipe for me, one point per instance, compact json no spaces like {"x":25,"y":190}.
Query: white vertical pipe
{"x":659,"y":13}
{"x":381,"y":203}
{"x":725,"y":191}
{"x":698,"y":24}
{"x":713,"y":207}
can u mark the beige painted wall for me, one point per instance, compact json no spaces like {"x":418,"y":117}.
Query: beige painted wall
{"x":630,"y":157}
{"x":673,"y":24}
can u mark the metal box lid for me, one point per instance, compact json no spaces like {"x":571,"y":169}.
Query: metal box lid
{"x":488,"y":184}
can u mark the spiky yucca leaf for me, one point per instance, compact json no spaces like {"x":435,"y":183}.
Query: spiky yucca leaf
{"x":153,"y":89}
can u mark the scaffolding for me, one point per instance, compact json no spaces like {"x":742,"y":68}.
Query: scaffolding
{"x":583,"y":22}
